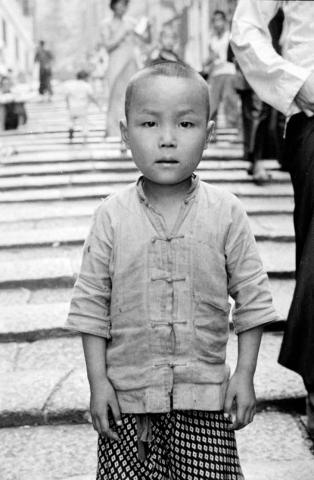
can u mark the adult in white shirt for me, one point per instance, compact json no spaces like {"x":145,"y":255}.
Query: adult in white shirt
{"x":287,"y":83}
{"x":222,"y":72}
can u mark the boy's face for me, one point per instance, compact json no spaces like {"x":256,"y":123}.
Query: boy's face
{"x":167,"y":127}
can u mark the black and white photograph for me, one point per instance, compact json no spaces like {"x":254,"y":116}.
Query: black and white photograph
{"x":156,"y":239}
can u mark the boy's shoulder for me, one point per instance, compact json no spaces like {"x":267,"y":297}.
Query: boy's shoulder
{"x":218,"y":195}
{"x":119,"y":201}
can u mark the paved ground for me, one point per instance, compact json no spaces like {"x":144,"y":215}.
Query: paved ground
{"x":48,"y":191}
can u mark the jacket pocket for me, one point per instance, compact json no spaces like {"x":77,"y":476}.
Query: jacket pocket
{"x":211,"y":329}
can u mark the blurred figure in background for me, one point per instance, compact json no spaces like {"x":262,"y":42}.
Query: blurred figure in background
{"x":45,"y":58}
{"x":79,"y":94}
{"x":119,"y":41}
{"x":99,"y":67}
{"x":221,"y":72}
{"x":166,"y":50}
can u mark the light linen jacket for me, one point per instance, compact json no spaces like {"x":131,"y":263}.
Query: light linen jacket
{"x":275,"y":78}
{"x":161,"y":298}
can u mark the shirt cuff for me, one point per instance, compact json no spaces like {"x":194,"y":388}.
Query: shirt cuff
{"x":99,"y":328}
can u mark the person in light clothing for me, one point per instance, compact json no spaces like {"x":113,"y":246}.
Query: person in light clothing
{"x":221,"y":71}
{"x":287,"y":83}
{"x":151,"y":299}
{"x":79,"y":94}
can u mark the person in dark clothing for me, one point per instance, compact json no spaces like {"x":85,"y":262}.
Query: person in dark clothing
{"x":44,"y":57}
{"x":287,"y":83}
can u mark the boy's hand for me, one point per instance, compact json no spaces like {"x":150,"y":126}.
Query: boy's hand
{"x":240,"y":401}
{"x":102,"y":398}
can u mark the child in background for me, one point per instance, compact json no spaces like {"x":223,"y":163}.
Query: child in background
{"x":79,"y":94}
{"x":151,"y":299}
{"x":166,"y":51}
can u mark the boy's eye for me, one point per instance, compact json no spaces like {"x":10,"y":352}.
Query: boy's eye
{"x":186,"y":124}
{"x":149,"y":124}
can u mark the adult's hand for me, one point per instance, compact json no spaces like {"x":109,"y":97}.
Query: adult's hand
{"x":305,"y":96}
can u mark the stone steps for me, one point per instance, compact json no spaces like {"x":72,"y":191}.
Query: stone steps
{"x":56,"y":367}
{"x":101,"y":189}
{"x":73,"y":231}
{"x":117,"y":176}
{"x":74,"y":153}
{"x":273,"y":447}
{"x":51,"y":210}
{"x":59,"y":265}
{"x":25,"y":320}
{"x":42,"y":169}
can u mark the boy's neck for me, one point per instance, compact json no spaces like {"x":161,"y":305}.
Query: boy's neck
{"x":159,"y":194}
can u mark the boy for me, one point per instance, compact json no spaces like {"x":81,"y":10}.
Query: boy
{"x":78,"y":95}
{"x":152,"y":297}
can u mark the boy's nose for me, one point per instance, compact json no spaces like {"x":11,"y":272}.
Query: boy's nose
{"x":167,"y":138}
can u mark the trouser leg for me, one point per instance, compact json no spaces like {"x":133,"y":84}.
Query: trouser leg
{"x":298,"y":343}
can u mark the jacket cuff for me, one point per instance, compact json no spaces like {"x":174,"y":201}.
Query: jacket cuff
{"x":99,"y":328}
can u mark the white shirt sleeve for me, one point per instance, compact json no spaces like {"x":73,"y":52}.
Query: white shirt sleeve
{"x":273,"y":78}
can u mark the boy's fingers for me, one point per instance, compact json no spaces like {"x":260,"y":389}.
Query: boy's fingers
{"x":240,"y":418}
{"x":228,"y":404}
{"x":116,"y":412}
{"x":252,"y":414}
{"x":106,"y":430}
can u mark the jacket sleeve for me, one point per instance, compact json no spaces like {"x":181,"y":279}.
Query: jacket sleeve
{"x":275,"y":79}
{"x":248,"y":283}
{"x":90,"y":304}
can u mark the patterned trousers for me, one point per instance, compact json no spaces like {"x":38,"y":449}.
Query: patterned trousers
{"x":186,"y":445}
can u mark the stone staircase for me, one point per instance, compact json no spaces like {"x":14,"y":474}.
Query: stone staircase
{"x":48,"y":191}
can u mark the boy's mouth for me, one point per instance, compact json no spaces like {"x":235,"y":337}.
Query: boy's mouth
{"x":167,"y":161}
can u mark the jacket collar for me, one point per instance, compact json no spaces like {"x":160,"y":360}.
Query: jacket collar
{"x":190,"y":194}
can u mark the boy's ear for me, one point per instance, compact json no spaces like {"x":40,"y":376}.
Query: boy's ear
{"x":210,"y":131}
{"x":124,"y":133}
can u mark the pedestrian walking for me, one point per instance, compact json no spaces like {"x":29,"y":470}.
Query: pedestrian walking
{"x":45,"y":58}
{"x":119,"y":40}
{"x":287,"y":83}
{"x":79,"y":94}
{"x":221,"y":72}
{"x":151,"y":300}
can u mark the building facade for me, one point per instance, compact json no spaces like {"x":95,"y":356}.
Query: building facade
{"x":16,"y":37}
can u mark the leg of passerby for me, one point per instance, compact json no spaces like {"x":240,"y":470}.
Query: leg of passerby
{"x":41,"y":82}
{"x":48,"y":85}
{"x":84,"y":125}
{"x":245,"y":99}
{"x":230,"y":102}
{"x":73,"y":119}
{"x":298,"y":343}
{"x":257,"y":112}
{"x":216,"y":92}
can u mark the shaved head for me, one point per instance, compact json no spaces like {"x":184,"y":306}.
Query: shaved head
{"x":166,"y":69}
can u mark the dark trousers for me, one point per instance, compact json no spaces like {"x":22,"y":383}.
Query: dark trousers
{"x":45,"y":81}
{"x":297,"y":350}
{"x":262,"y":128}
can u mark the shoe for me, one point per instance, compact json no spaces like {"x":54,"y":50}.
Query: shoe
{"x":71,"y":133}
{"x":261,"y":177}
